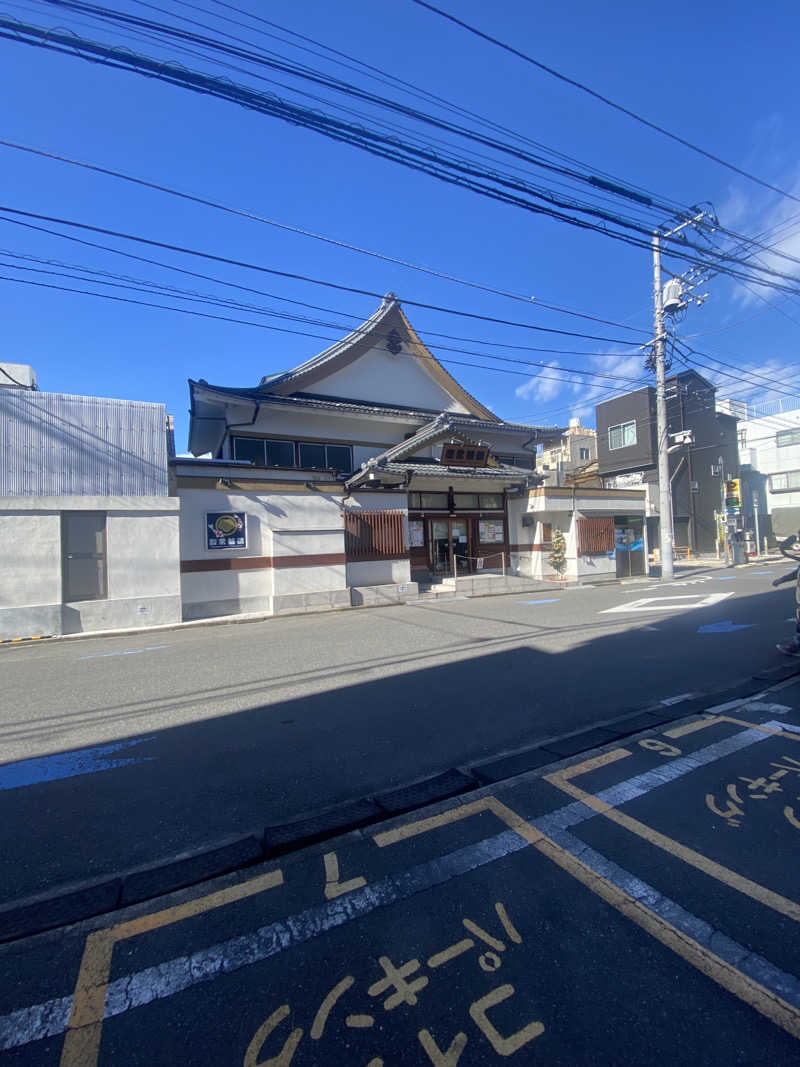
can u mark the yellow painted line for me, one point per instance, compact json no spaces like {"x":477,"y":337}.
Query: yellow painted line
{"x":450,"y":953}
{"x":82,"y":1041}
{"x":434,"y":822}
{"x":596,"y":762}
{"x":767,"y":897}
{"x":783,"y":734}
{"x":724,"y":974}
{"x":690,"y":728}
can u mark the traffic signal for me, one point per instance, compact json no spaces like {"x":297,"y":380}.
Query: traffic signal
{"x":733,"y":495}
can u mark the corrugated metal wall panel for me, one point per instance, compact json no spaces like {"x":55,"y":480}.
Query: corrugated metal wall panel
{"x":52,"y":444}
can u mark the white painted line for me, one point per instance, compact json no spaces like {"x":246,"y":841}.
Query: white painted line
{"x":773,"y":709}
{"x":787,"y":726}
{"x":719,"y":708}
{"x":669,"y":603}
{"x":677,"y":700}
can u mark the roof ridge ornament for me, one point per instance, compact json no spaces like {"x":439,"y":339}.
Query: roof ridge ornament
{"x":394,"y":342}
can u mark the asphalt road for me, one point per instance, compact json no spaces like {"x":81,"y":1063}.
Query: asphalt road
{"x":229,"y":728}
{"x":636,"y":905}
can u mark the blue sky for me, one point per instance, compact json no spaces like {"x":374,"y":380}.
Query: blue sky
{"x":721,"y":75}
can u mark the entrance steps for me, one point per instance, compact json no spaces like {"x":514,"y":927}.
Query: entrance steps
{"x":474,"y":585}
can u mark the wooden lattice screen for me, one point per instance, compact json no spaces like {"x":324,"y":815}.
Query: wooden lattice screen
{"x":595,"y":536}
{"x":373,"y":535}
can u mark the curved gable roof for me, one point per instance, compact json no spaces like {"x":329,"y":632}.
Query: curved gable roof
{"x":388,"y":323}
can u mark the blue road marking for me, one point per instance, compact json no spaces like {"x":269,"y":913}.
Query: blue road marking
{"x":123,"y":652}
{"x":761,"y":572}
{"x":555,"y":600}
{"x":724,"y":627}
{"x":68,"y":764}
{"x":728,"y":578}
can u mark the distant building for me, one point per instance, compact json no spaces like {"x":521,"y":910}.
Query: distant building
{"x":769,"y":452}
{"x":573,"y":455}
{"x":89,"y":532}
{"x":628,"y":454}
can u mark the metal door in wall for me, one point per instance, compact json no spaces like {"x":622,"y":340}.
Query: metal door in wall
{"x":629,"y":545}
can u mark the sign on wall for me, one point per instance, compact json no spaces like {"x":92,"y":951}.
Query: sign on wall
{"x":416,"y":533}
{"x":492,"y":531}
{"x":226,"y":529}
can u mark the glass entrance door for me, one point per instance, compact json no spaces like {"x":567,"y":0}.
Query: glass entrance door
{"x":448,"y":546}
{"x":629,"y":537}
{"x":439,"y":547}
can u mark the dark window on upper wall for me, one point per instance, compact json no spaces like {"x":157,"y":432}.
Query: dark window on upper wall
{"x":312,"y":456}
{"x":787,"y":437}
{"x":325,"y":457}
{"x":83,"y":555}
{"x":280,"y":453}
{"x":264,"y":453}
{"x":339,"y":458}
{"x":251,"y":448}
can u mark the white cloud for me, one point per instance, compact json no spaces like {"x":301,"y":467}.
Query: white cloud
{"x":776,"y":218}
{"x":541,"y":387}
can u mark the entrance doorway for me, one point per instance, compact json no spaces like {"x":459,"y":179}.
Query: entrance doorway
{"x":629,"y":544}
{"x":449,"y":546}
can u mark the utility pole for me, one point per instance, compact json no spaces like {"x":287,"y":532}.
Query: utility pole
{"x":659,"y":358}
{"x":664,"y":487}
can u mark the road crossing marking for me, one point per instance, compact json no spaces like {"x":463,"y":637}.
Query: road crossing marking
{"x":668,"y":603}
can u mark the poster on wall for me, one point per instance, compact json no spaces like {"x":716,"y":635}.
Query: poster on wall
{"x":226,"y":529}
{"x":492,"y":531}
{"x":416,"y":533}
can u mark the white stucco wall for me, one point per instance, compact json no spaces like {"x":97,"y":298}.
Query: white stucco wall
{"x":142,"y":566}
{"x":761,"y":451}
{"x":279,"y":524}
{"x":402,"y":379}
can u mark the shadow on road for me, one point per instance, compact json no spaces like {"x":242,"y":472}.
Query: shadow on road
{"x":235,"y":773}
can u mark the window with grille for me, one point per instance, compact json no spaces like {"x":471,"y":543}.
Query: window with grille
{"x":595,"y":536}
{"x":787,"y":437}
{"x":374,"y":535}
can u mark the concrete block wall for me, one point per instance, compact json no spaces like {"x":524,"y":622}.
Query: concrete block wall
{"x":142,"y":566}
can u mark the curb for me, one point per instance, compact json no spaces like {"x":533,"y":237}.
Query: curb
{"x":78,"y":901}
{"x":19,"y":640}
{"x":248,"y":617}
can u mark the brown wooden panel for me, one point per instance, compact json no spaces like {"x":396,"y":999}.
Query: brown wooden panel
{"x":374,"y":535}
{"x":328,"y":559}
{"x":229,"y":563}
{"x":595,"y":536}
{"x":254,"y":563}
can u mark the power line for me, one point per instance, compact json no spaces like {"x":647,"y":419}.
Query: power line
{"x":275,"y":296}
{"x":278,"y":329}
{"x":604,"y":99}
{"x":294,"y":276}
{"x":194,"y":297}
{"x":308,"y":233}
{"x":475,"y":179}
